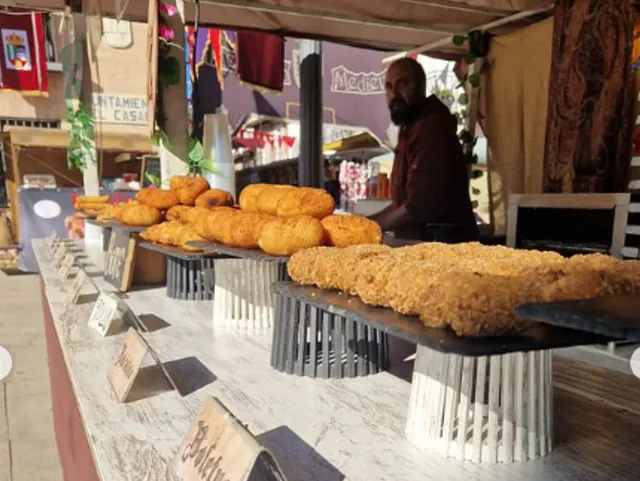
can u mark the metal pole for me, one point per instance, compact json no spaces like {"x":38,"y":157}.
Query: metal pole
{"x":311,"y":161}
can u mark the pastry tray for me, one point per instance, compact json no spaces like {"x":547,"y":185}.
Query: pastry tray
{"x":114,"y":224}
{"x":172,"y":251}
{"x":249,"y":254}
{"x":617,"y":317}
{"x":443,"y":340}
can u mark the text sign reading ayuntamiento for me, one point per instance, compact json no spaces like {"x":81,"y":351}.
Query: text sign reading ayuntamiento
{"x":218,"y":447}
{"x":120,"y":109}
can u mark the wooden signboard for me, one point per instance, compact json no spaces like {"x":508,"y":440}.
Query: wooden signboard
{"x":119,"y":260}
{"x":122,"y":373}
{"x":103,"y":316}
{"x":66,"y":265}
{"x":219,"y":447}
{"x":58,"y":255}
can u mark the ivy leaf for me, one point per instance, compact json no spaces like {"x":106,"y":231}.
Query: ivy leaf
{"x":476,"y":174}
{"x":463,"y":99}
{"x":474,"y":80}
{"x":469,"y":58}
{"x":169,"y":70}
{"x":475,"y":191}
{"x":458,"y":40}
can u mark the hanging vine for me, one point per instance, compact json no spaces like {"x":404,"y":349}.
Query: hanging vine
{"x":477,"y":49}
{"x":82,"y":147}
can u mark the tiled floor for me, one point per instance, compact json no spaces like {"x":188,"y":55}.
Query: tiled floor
{"x":27,"y":446}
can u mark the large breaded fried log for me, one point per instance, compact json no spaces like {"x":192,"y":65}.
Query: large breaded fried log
{"x":349,"y":259}
{"x":214,"y":198}
{"x":302,"y":265}
{"x":349,"y":230}
{"x":248,"y":199}
{"x":140,"y":215}
{"x":309,"y":201}
{"x":288,"y":235}
{"x":158,"y":198}
{"x":177,"y":213}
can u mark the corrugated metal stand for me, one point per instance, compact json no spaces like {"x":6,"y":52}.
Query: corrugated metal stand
{"x":106,"y":236}
{"x":311,"y":342}
{"x":190,"y":279}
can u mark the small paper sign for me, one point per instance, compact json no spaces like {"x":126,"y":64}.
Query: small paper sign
{"x":126,"y":366}
{"x":219,"y":447}
{"x":58,"y":255}
{"x":76,"y":286}
{"x":67,"y":263}
{"x":104,"y":312}
{"x":52,"y":240}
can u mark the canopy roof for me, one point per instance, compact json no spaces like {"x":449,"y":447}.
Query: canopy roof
{"x":384,"y":24}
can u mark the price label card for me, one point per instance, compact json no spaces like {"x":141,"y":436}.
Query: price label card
{"x":52,"y":240}
{"x":218,"y":446}
{"x":67,"y":263}
{"x":103,"y":314}
{"x":122,"y":373}
{"x":118,"y":269}
{"x":58,"y":255}
{"x":76,"y":286}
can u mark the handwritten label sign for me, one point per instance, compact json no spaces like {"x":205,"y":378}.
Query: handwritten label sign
{"x":74,"y":291}
{"x":104,"y":313}
{"x":52,"y":240}
{"x":218,"y":447}
{"x":122,"y":373}
{"x":119,"y":260}
{"x":66,"y":265}
{"x":58,"y":255}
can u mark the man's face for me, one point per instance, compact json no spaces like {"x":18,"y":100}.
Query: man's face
{"x":402,"y":93}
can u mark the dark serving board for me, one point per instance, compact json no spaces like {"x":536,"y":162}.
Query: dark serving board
{"x":443,"y":340}
{"x":114,"y":224}
{"x":251,"y":254}
{"x":172,"y":251}
{"x":617,"y":317}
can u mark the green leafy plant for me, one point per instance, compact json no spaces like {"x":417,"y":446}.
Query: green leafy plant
{"x":153,"y":179}
{"x":82,"y":147}
{"x":198,"y":162}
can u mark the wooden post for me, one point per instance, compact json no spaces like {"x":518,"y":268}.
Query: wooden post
{"x":13,"y":191}
{"x":472,"y":105}
{"x":174,"y":99}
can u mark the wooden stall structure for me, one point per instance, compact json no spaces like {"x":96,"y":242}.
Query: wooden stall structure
{"x":43,"y":151}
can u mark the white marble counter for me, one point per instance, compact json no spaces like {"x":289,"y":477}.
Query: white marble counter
{"x":325,"y":430}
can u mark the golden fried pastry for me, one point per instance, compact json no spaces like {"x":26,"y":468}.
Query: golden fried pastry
{"x":187,"y":233}
{"x":288,"y":235}
{"x":317,"y":203}
{"x":188,"y":188}
{"x":158,"y":198}
{"x":193,"y":215}
{"x":178,"y":213}
{"x":248,"y":199}
{"x":246,"y":228}
{"x":371,"y":279}
{"x":110,"y":213}
{"x":97,"y":207}
{"x":92,"y":199}
{"x":349,"y":230}
{"x":348,"y":260}
{"x":302,"y":265}
{"x":269,"y":198}
{"x":215,"y":225}
{"x":140,"y":215}
{"x":214,"y":198}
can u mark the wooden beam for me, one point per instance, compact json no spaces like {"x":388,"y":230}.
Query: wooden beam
{"x":13,"y":194}
{"x":59,"y":139}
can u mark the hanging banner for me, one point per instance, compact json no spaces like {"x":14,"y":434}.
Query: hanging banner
{"x":23,"y":65}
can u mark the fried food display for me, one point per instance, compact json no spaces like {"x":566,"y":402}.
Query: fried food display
{"x":174,"y":234}
{"x":194,"y":214}
{"x":158,"y":198}
{"x":269,"y":198}
{"x":248,"y":199}
{"x":246,"y":228}
{"x":348,"y":230}
{"x":140,"y":215}
{"x":112,"y":212}
{"x":287,"y":235}
{"x":214,"y":198}
{"x":178,"y":213}
{"x":316,"y":203}
{"x":471,"y":288}
{"x":216,"y":225}
{"x":92,"y":199}
{"x":188,"y":188}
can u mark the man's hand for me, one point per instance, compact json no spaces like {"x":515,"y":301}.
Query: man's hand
{"x":392,"y":218}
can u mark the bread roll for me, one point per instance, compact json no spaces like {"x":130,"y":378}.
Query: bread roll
{"x":288,"y":235}
{"x":317,"y":203}
{"x":349,"y":230}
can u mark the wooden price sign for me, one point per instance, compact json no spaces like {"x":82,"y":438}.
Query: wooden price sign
{"x":65,"y":266}
{"x":76,"y":286}
{"x":126,"y":366}
{"x":119,"y":260}
{"x":58,"y":255}
{"x":52,"y":240}
{"x":218,"y":447}
{"x":124,"y":370}
{"x":103,"y":316}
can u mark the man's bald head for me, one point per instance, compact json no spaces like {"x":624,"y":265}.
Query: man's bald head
{"x":405,"y":87}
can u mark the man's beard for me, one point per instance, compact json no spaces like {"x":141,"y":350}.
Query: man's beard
{"x":403,"y":114}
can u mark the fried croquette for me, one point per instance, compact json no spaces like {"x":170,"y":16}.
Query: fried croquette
{"x":302,"y":265}
{"x":216,"y":225}
{"x":248,"y":199}
{"x":177,"y":213}
{"x":348,"y":230}
{"x":214,"y":198}
{"x":188,"y":188}
{"x":287,"y":235}
{"x":316,"y":203}
{"x":158,"y":198}
{"x":194,"y":214}
{"x":269,"y":198}
{"x":246,"y":228}
{"x":140,"y":215}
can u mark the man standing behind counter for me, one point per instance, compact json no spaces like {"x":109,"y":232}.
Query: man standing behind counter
{"x":429,"y":179}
